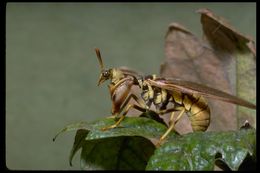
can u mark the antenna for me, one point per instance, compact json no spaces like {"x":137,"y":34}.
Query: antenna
{"x":99,"y":58}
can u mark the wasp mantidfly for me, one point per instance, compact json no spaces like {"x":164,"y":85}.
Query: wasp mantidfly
{"x":185,"y":96}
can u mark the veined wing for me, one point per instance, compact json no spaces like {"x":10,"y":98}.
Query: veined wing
{"x":130,"y":72}
{"x":195,"y":88}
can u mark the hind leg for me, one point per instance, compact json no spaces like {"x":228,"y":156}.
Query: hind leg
{"x":171,"y":126}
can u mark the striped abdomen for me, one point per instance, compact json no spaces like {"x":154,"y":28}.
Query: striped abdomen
{"x":197,"y":108}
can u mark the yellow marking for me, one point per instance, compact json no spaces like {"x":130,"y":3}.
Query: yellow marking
{"x":202,"y":115}
{"x":201,"y":120}
{"x":177,"y":96}
{"x":164,"y":95}
{"x":199,"y":105}
{"x":196,"y":96}
{"x":117,"y":75}
{"x":158,"y":99}
{"x":195,"y":109}
{"x":187,"y":102}
{"x":198,"y":128}
{"x":145,"y":95}
{"x":200,"y":123}
{"x":140,"y":81}
{"x":150,"y":91}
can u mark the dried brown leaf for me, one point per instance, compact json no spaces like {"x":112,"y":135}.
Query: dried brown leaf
{"x":190,"y":59}
{"x":211,"y":63}
{"x":230,"y":43}
{"x":222,"y":35}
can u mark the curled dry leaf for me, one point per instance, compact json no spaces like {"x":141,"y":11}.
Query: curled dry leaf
{"x":230,"y":43}
{"x":212,"y":62}
{"x":190,"y":59}
{"x":223,"y":36}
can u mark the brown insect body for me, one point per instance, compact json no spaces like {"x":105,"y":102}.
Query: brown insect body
{"x":195,"y":105}
{"x":184,"y":95}
{"x":119,"y":91}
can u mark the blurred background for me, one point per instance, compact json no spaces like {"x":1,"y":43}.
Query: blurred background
{"x":52,"y":70}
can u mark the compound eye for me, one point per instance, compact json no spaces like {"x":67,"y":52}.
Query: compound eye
{"x":106,"y":73}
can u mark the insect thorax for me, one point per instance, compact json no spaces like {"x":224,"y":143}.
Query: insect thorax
{"x":156,"y":96}
{"x":117,"y":75}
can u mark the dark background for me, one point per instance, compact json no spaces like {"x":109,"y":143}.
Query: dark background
{"x":52,"y":70}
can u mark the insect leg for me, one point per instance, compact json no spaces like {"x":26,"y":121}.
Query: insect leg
{"x":124,"y":114}
{"x":179,"y":116}
{"x":138,"y":100}
{"x":141,"y":108}
{"x":171,"y":126}
{"x":161,"y":112}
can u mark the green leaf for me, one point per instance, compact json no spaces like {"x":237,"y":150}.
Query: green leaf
{"x":119,"y":148}
{"x":78,"y":143}
{"x":117,"y":153}
{"x":130,"y":147}
{"x":80,"y":136}
{"x":198,"y":150}
{"x":126,"y":147}
{"x":72,"y":127}
{"x":130,"y":126}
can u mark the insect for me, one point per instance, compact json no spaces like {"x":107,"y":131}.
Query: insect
{"x":185,"y":96}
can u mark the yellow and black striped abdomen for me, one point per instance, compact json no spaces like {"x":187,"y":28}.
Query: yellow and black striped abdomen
{"x":197,"y":108}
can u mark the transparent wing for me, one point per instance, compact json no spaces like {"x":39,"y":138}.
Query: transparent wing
{"x":131,"y":72}
{"x":192,"y":87}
